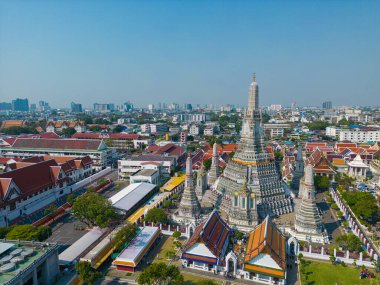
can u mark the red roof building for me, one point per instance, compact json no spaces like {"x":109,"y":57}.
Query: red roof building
{"x":209,"y":242}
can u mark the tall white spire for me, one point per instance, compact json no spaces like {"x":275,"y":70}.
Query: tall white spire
{"x":253,"y":96}
{"x":189,"y":206}
{"x":214,"y":169}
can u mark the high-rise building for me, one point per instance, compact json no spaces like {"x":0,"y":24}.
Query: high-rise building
{"x":104,"y":108}
{"x":20,"y":105}
{"x":327,"y":105}
{"x":250,"y":187}
{"x":150,"y":107}
{"x":5,"y":106}
{"x":76,"y":107}
{"x":43,"y":106}
{"x":33,"y":107}
{"x":128,"y":107}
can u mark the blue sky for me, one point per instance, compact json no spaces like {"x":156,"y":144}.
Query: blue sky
{"x":190,"y":51}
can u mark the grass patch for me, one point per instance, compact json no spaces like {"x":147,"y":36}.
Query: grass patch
{"x":192,"y":279}
{"x":128,"y":274}
{"x":319,"y":272}
{"x":166,"y":247}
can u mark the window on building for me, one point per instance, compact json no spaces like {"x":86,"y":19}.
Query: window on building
{"x":236,"y":201}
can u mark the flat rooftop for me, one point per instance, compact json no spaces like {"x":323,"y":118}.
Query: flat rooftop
{"x":133,"y":253}
{"x":77,"y":248}
{"x":145,"y":172}
{"x":128,"y":197}
{"x":18,"y":255}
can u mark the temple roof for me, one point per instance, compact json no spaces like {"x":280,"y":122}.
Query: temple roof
{"x":357,"y":162}
{"x":266,"y":238}
{"x":213,"y":232}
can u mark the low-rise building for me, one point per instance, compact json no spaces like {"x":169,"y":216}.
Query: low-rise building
{"x":360,"y":135}
{"x":275,"y":130}
{"x":129,"y":166}
{"x":115,"y":140}
{"x":29,"y":147}
{"x":30,"y":188}
{"x":28,"y":262}
{"x":146,"y":175}
{"x":130,"y":198}
{"x":131,"y":256}
{"x":59,"y":126}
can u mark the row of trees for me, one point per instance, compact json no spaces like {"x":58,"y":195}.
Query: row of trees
{"x":25,"y":232}
{"x":364,"y":205}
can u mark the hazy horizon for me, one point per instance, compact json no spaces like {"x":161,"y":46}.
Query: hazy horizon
{"x":190,"y":52}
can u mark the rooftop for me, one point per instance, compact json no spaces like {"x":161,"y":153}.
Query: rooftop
{"x":17,"y":256}
{"x":128,"y":197}
{"x":133,"y":253}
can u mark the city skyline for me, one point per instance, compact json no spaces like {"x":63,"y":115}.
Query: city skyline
{"x":206,"y":52}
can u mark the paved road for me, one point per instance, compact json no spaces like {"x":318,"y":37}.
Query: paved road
{"x":329,"y":219}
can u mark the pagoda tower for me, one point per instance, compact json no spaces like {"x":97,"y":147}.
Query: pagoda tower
{"x":214,"y":171}
{"x":250,"y":187}
{"x":307,"y":219}
{"x":189,"y":207}
{"x":201,"y":183}
{"x":298,"y":171}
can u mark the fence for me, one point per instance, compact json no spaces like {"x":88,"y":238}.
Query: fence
{"x":346,"y":256}
{"x":357,"y":227}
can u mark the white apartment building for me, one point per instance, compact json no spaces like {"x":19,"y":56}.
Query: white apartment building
{"x":129,"y":166}
{"x":194,"y":130}
{"x":360,"y":135}
{"x":275,"y":130}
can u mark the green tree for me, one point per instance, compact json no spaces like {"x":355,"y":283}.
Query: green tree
{"x":156,"y":215}
{"x":239,"y":235}
{"x":86,"y":273}
{"x":28,"y":232}
{"x":266,"y":118}
{"x":319,"y":125}
{"x":50,"y":210}
{"x":343,"y":122}
{"x":206,"y":282}
{"x":93,"y":210}
{"x":207,"y":164}
{"x":321,"y":182}
{"x":176,"y":234}
{"x":349,"y":242}
{"x":15,"y":130}
{"x":124,"y":236}
{"x":278,"y":155}
{"x":167,"y":204}
{"x":364,"y":205}
{"x":70,"y":199}
{"x":160,"y":274}
{"x":118,"y":129}
{"x":68,"y":132}
{"x":3,"y":232}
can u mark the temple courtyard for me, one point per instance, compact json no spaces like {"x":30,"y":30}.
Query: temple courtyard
{"x":319,"y":272}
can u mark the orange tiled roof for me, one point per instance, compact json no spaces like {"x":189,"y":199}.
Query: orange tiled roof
{"x":339,"y":162}
{"x":12,"y":123}
{"x":266,"y":238}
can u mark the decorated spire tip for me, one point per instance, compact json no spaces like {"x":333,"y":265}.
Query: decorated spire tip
{"x":254,"y":77}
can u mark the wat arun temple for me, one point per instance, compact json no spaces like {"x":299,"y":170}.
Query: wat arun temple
{"x":250,"y":187}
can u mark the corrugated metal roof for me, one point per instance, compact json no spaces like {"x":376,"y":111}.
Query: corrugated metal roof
{"x":131,"y":195}
{"x":82,"y":244}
